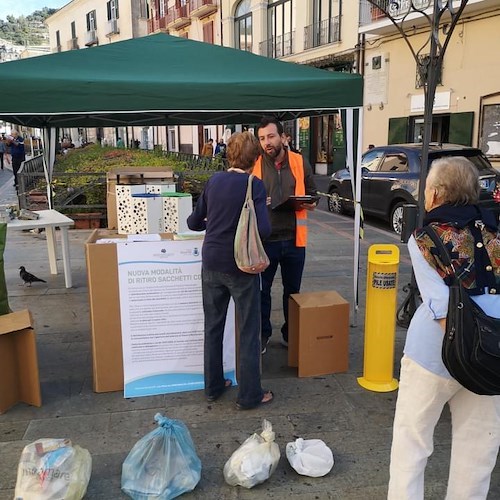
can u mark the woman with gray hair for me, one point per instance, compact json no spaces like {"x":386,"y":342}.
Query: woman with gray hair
{"x":451,"y":191}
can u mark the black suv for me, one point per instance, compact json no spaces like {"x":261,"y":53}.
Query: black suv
{"x":390,"y":176}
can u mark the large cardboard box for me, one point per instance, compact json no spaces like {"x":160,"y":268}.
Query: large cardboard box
{"x":19,"y":378}
{"x":318,"y":333}
{"x":105,"y":319}
{"x":102,"y":274}
{"x":133,"y":175}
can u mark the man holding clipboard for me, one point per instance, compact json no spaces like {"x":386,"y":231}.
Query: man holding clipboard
{"x":291,"y":192}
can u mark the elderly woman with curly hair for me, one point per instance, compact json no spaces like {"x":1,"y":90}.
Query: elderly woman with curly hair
{"x":218,"y":210}
{"x":451,"y":194}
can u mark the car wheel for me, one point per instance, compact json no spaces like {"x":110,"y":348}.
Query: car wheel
{"x":335,"y":203}
{"x":397,"y":218}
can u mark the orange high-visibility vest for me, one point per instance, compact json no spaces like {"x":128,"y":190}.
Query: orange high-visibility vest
{"x":297,"y":167}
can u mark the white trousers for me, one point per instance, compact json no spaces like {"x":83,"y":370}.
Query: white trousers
{"x":475,"y":435}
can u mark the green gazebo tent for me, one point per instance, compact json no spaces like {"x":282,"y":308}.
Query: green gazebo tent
{"x":161,"y":79}
{"x":166,"y":80}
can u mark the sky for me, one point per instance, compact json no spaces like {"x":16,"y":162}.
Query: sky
{"x":27,"y":7}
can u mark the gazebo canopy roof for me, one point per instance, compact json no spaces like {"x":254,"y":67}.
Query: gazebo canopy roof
{"x":161,"y":79}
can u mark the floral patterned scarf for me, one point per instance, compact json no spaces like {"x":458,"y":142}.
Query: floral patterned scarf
{"x":476,"y":262}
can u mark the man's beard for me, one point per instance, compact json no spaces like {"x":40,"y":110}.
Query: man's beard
{"x":273,"y":151}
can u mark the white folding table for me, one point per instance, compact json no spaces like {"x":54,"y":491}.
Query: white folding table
{"x":50,"y":220}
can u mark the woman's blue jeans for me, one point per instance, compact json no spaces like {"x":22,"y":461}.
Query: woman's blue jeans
{"x":217,"y":289}
{"x":291,"y":259}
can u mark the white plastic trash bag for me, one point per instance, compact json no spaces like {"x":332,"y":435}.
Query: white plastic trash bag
{"x":53,"y":469}
{"x":163,"y":464}
{"x":255,"y":460}
{"x":310,"y":457}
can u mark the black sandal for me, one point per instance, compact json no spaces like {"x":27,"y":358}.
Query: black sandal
{"x":227,"y":384}
{"x":240,"y":406}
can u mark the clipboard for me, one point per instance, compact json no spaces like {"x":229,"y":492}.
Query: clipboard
{"x":293,"y":203}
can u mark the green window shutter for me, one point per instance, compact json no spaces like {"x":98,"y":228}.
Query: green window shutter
{"x":398,"y":130}
{"x":461,"y":125}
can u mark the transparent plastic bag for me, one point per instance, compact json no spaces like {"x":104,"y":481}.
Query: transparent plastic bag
{"x":255,"y":460}
{"x":310,"y":457}
{"x":163,"y":464}
{"x":53,"y":469}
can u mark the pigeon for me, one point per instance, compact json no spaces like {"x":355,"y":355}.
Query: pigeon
{"x":28,"y":277}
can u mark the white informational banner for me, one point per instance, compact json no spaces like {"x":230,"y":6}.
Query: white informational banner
{"x":441,"y":102}
{"x":162,"y":318}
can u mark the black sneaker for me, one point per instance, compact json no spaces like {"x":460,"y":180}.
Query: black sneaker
{"x":264,"y":342}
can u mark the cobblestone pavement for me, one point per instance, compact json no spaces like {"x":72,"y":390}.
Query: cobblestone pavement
{"x":355,"y":423}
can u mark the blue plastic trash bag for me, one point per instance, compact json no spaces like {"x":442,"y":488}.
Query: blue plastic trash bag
{"x":163,"y":464}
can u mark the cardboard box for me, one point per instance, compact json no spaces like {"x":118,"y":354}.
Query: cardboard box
{"x":132,"y":175}
{"x":105,"y":319}
{"x":19,"y":378}
{"x":102,"y":274}
{"x":318,"y":333}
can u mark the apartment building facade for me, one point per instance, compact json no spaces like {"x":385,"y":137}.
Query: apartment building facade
{"x":301,"y":31}
{"x":338,"y":35}
{"x":467,"y":104}
{"x":83,"y":24}
{"x":315,"y":32}
{"x":197,"y":20}
{"x":320,"y":33}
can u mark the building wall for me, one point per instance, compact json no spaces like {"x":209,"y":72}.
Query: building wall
{"x":318,"y":137}
{"x":207,"y":28}
{"x":469,"y":74}
{"x":131,"y":23}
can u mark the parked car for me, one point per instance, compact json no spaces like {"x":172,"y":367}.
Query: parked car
{"x":390,"y":178}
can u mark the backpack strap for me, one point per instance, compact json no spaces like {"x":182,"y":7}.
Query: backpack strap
{"x":443,"y":252}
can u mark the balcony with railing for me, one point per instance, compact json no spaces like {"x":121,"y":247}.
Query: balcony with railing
{"x":157,"y":24}
{"x":91,"y":38}
{"x":373,"y":20}
{"x":278,"y":46}
{"x":202,"y":8}
{"x":178,"y":17}
{"x":73,"y":44}
{"x":322,"y":33}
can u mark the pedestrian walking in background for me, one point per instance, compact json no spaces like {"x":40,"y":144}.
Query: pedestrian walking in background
{"x":425,"y":386}
{"x":3,"y":149}
{"x":284,"y":173}
{"x":220,"y":148}
{"x":218,"y":211}
{"x":289,"y":144}
{"x":17,"y":152}
{"x":208,"y":148}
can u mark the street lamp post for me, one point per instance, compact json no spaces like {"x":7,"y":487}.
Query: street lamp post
{"x":446,"y":15}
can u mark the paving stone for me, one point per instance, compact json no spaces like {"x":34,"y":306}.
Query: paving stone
{"x":356,"y":424}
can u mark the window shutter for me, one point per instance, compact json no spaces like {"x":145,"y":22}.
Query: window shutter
{"x":208,"y":32}
{"x":461,"y":125}
{"x":88,"y":21}
{"x":398,"y":130}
